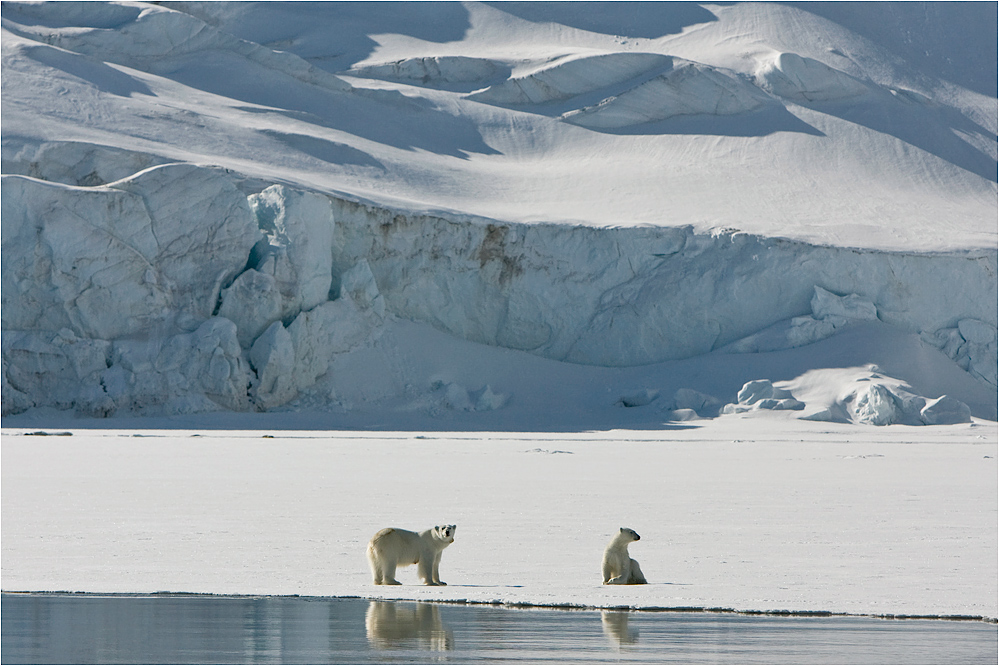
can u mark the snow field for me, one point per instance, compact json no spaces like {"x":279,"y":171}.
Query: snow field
{"x":738,"y":513}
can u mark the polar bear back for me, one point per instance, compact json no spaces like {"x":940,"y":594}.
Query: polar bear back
{"x":399,"y":545}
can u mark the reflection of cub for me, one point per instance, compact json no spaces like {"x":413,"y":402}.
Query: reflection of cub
{"x":393,"y":625}
{"x":619,"y":568}
{"x":393,"y":547}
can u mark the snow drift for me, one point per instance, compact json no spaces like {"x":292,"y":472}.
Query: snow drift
{"x":227,"y":215}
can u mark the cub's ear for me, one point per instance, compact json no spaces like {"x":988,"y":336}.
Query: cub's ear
{"x":624,"y":529}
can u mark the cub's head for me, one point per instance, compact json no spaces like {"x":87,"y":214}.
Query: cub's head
{"x":630,"y":533}
{"x":445,"y":533}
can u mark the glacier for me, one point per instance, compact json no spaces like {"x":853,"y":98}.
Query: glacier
{"x":587,"y":207}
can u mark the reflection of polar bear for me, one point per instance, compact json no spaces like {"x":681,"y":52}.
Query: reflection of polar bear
{"x":393,"y":625}
{"x":393,"y":547}
{"x":619,"y":568}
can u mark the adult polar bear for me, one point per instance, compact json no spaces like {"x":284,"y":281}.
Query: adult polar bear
{"x":392,"y":547}
{"x":619,"y":568}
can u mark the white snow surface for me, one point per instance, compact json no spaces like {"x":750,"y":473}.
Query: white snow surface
{"x":739,"y":514}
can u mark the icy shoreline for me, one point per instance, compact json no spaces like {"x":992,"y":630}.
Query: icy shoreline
{"x":513,"y":605}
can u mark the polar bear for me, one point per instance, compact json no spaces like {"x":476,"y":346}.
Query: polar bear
{"x":619,"y":568}
{"x":392,"y":547}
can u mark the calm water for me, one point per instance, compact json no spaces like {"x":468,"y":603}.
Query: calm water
{"x":199,"y":629}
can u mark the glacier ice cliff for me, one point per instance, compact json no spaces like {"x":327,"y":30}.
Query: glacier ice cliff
{"x":178,"y":290}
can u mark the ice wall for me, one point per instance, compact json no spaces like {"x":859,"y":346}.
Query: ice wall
{"x":631,"y":296}
{"x":171,"y":291}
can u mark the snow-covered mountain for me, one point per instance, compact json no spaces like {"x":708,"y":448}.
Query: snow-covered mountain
{"x":500,"y":215}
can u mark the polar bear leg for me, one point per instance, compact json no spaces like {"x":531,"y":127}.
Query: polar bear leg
{"x":616,"y":569}
{"x":437,"y":569}
{"x":388,"y":574}
{"x":636,"y":577}
{"x":425,"y":567}
{"x":382,"y":570}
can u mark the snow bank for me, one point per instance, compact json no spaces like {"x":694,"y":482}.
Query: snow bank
{"x":159,"y":40}
{"x":570,"y":76}
{"x":687,"y":89}
{"x":796,"y":78}
{"x":435,"y":71}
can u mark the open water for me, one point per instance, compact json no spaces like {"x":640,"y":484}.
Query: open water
{"x":181,"y":629}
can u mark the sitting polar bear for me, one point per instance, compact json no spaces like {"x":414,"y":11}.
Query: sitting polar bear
{"x":619,"y":568}
{"x":392,"y":547}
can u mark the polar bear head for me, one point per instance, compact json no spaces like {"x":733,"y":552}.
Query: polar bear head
{"x":445,"y":533}
{"x":629,"y":533}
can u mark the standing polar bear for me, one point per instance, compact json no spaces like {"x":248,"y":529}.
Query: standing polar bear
{"x":392,"y":547}
{"x":619,"y":568}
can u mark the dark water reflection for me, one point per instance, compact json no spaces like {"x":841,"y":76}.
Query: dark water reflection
{"x":199,"y":629}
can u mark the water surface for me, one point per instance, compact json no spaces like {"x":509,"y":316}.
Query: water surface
{"x":183,"y":629}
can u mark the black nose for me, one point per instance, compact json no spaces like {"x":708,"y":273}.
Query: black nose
{"x":637,"y":538}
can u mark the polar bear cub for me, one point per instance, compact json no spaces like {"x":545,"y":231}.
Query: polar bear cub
{"x":392,"y":547}
{"x":619,"y":568}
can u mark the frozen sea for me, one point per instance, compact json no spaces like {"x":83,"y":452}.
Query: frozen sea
{"x":738,"y":513}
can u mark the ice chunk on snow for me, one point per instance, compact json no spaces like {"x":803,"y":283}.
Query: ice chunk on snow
{"x":874,"y":405}
{"x":945,"y":410}
{"x":638,"y":398}
{"x":456,"y":397}
{"x":489,"y":400}
{"x":701,"y":403}
{"x":761,"y":389}
{"x":830,"y":313}
{"x":827,"y":304}
{"x":762,"y":394}
{"x":682,"y":415}
{"x":459,"y":398}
